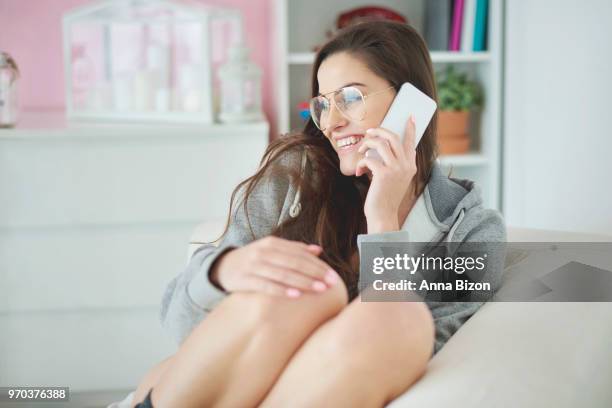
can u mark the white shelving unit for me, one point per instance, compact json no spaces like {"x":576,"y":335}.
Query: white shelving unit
{"x":96,"y":219}
{"x":302,"y":25}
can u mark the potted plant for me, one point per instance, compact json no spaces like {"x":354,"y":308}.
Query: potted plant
{"x":457,"y":97}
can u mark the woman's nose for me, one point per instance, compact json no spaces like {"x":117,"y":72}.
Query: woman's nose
{"x":335,"y":118}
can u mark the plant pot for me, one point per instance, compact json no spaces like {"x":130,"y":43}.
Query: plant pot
{"x":453,"y":136}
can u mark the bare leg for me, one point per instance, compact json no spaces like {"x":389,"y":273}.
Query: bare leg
{"x":366,"y":356}
{"x":236,"y":354}
{"x":150,"y":379}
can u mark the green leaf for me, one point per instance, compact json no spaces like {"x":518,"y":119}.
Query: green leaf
{"x":456,"y":91}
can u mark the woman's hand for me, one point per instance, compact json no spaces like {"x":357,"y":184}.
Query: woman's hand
{"x":275,"y":266}
{"x":391,"y":178}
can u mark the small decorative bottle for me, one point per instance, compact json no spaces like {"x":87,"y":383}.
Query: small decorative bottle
{"x":240,"y":88}
{"x":82,"y":77}
{"x":9,"y":73}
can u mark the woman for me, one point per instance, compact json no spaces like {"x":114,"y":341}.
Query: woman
{"x":284,"y":322}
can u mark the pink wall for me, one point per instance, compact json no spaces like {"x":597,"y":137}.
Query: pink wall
{"x":31,"y":31}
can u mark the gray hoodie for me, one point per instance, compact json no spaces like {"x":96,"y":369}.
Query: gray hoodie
{"x":448,"y":210}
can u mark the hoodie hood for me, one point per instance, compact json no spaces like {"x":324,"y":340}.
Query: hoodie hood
{"x":445,"y":204}
{"x":441,"y":207}
{"x":447,"y":198}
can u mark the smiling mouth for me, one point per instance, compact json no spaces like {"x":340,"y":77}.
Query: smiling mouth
{"x":347,"y":143}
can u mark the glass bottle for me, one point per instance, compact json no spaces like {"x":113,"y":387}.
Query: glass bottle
{"x":240,"y":88}
{"x":82,"y":77}
{"x":9,"y":73}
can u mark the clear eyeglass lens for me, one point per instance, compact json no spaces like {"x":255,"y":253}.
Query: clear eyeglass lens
{"x":319,"y":108}
{"x":349,"y":101}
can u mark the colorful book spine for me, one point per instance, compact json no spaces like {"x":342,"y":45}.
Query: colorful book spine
{"x":480,"y":25}
{"x":467,"y":27}
{"x":455,"y":38}
{"x":437,"y":23}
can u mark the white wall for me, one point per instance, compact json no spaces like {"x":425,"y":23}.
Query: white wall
{"x":558,"y":142}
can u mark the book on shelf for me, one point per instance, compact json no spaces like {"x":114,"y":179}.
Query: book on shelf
{"x":481,"y":25}
{"x":437,"y":24}
{"x":456,"y":25}
{"x":455,"y":37}
{"x":467,"y":26}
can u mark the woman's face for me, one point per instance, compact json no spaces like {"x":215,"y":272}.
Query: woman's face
{"x":340,"y":70}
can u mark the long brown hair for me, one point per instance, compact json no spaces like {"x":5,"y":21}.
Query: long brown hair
{"x":332,"y":204}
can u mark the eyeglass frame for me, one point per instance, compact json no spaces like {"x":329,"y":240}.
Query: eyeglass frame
{"x":363,"y":98}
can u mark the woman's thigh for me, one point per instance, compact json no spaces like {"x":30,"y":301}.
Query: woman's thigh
{"x":238,"y":351}
{"x":367,"y":355}
{"x":394,"y":341}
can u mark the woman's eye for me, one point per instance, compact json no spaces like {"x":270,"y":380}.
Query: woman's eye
{"x":351,"y":97}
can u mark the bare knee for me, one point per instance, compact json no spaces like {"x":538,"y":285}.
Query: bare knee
{"x":392,"y":329}
{"x":413,"y":321}
{"x":380,"y":350}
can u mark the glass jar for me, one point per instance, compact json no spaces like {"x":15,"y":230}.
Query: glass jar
{"x":240,"y":88}
{"x":9,"y":73}
{"x":83,"y":71}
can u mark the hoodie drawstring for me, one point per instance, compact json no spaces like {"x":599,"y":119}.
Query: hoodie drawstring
{"x":296,"y":207}
{"x":451,"y":232}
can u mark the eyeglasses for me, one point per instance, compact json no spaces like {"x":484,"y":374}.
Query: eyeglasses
{"x":350,"y":101}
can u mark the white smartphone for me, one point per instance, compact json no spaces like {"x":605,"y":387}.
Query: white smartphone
{"x":409,"y":100}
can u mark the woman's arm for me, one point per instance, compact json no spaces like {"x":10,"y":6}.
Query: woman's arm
{"x":191,"y":295}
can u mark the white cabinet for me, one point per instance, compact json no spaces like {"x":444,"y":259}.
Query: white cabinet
{"x":94,"y":222}
{"x":300,"y":25}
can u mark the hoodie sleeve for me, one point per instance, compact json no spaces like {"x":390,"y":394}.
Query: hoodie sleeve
{"x":190,"y":296}
{"x":481,"y":226}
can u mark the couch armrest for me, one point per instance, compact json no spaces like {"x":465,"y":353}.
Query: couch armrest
{"x":522,"y":355}
{"x":520,"y":234}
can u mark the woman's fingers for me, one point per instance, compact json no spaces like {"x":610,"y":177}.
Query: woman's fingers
{"x":410,"y":135}
{"x":393,"y":139}
{"x":368,"y":163}
{"x":314,"y":249}
{"x":306,"y":264}
{"x":288,"y":252}
{"x":256,"y":283}
{"x":278,"y":266}
{"x":381,"y":146}
{"x":289,"y":277}
{"x":401,"y":150}
{"x":289,"y":245}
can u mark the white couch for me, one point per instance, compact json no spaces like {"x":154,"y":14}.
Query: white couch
{"x":524,"y":354}
{"x":516,"y":354}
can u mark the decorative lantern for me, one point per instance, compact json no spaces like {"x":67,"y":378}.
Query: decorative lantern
{"x":9,"y":73}
{"x":240,"y":88}
{"x":146,"y":59}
